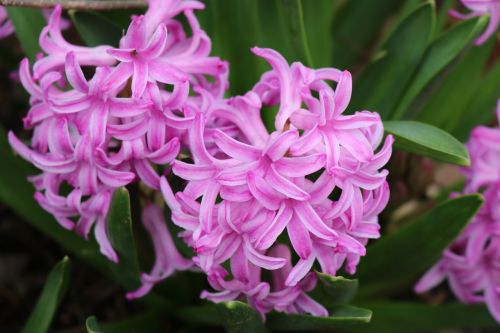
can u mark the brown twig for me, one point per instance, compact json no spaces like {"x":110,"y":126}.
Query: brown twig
{"x":77,"y":4}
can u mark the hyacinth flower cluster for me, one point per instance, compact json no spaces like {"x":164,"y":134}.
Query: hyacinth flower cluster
{"x":480,"y":8}
{"x":121,"y":122}
{"x":306,"y":194}
{"x":471,"y":265}
{"x":255,"y":188}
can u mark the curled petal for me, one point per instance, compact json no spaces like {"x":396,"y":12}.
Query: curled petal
{"x":313,"y":222}
{"x":260,"y":260}
{"x":300,"y":166}
{"x":262,"y":192}
{"x":74,"y":74}
{"x":284,"y":186}
{"x":299,"y":271}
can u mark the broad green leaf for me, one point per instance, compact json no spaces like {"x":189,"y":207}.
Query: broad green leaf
{"x":397,"y":260}
{"x":223,"y":21}
{"x":350,"y":42}
{"x":426,"y":140}
{"x":279,"y":24}
{"x":444,"y":109}
{"x":50,"y":298}
{"x":207,"y":314}
{"x":318,"y":20}
{"x":440,"y":54}
{"x":341,"y":317}
{"x":397,"y":317}
{"x":336,"y":290}
{"x":150,"y":321}
{"x":121,"y":18}
{"x":383,"y":82}
{"x":443,"y":13}
{"x":481,"y":109}
{"x":292,"y":16}
{"x":92,"y":325}
{"x":119,"y":224}
{"x":95,"y":29}
{"x":28,"y":23}
{"x":240,"y":317}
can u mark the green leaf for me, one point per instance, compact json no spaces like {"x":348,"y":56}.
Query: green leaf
{"x":92,"y":325}
{"x":440,"y":54}
{"x":397,"y":317}
{"x":28,"y":23}
{"x":443,"y":13}
{"x":95,"y":29}
{"x":426,"y":140}
{"x":292,"y":16}
{"x":383,"y":82}
{"x":150,"y":321}
{"x":350,"y":42}
{"x":318,"y":21}
{"x":336,"y":290}
{"x":240,"y":317}
{"x":119,"y":225}
{"x":446,"y":107}
{"x":341,"y":317}
{"x":222,"y":19}
{"x":50,"y":298}
{"x":481,"y":109}
{"x":396,"y":260}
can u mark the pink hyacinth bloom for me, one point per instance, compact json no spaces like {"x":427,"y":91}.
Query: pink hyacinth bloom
{"x":471,"y":264}
{"x":168,"y":259}
{"x":480,"y":8}
{"x":245,"y":189}
{"x":89,"y":135}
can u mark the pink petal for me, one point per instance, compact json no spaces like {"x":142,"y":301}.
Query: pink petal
{"x":280,"y":144}
{"x":139,"y":79}
{"x":129,"y":131}
{"x":156,"y":44}
{"x":313,"y":222}
{"x":271,"y":233}
{"x":147,"y":174}
{"x":300,"y":166}
{"x":343,"y":92}
{"x":235,"y":148}
{"x":300,"y":270}
{"x":260,"y":260}
{"x":285,"y":186}
{"x":114,"y":178}
{"x":167,"y":153}
{"x":74,"y":74}
{"x":299,"y":237}
{"x":262,"y":192}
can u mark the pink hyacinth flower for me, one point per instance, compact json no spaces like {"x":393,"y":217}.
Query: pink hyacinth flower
{"x":471,"y":264}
